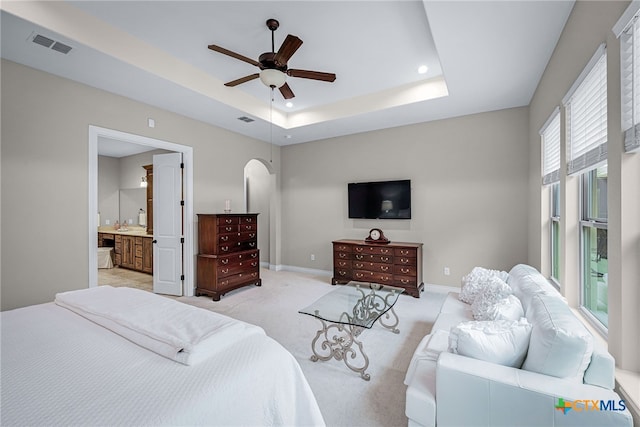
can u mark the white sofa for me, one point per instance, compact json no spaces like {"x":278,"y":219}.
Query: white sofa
{"x":447,"y":389}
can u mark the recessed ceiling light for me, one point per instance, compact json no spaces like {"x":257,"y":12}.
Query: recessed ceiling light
{"x":289,"y":104}
{"x":423,"y":69}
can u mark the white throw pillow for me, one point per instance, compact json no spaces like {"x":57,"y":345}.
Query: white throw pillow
{"x":560,"y":344}
{"x":495,"y":290}
{"x":503,"y":342}
{"x":508,"y":308}
{"x":476,"y":280}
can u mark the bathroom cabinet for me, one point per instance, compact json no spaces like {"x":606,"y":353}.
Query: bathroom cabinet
{"x":132,"y":251}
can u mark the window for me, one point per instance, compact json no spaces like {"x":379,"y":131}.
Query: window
{"x":550,"y":138}
{"x":594,"y":243}
{"x":630,"y":80}
{"x":586,"y":134}
{"x":555,"y":232}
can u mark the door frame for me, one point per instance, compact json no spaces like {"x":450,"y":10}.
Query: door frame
{"x":187,"y":157}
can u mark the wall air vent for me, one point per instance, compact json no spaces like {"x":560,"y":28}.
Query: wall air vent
{"x":246,"y":119}
{"x":52,"y":44}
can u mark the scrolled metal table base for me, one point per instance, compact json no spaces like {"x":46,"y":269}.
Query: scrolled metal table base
{"x":343,"y":345}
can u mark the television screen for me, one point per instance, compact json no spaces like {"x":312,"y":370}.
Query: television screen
{"x":380,"y":200}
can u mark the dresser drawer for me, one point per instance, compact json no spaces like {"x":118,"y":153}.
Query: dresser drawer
{"x":370,"y":276}
{"x":387,"y":259}
{"x":375,"y":267}
{"x":342,"y":273}
{"x":227,"y":228}
{"x":405,"y":261}
{"x":233,"y":259}
{"x":406,"y":252}
{"x":342,"y":263}
{"x":373,"y":250}
{"x":248,"y":226}
{"x":405,"y":270}
{"x":237,"y":279}
{"x":227,"y":220}
{"x":237,"y":267}
{"x":342,"y":255}
{"x":404,"y":281}
{"x":248,"y":220}
{"x":337,"y":247}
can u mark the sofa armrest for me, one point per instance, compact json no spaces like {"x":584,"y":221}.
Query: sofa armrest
{"x":473,"y":392}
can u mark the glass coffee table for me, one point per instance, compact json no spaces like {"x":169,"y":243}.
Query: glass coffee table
{"x":344,"y":313}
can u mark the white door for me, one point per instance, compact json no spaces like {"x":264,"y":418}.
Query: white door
{"x":167,"y":224}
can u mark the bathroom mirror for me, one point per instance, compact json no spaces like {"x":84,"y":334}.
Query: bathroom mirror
{"x":131,"y":201}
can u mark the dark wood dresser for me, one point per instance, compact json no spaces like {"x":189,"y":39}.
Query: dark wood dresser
{"x":228,"y":255}
{"x":395,"y":264}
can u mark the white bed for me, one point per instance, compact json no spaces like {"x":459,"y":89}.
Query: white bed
{"x":59,"y":368}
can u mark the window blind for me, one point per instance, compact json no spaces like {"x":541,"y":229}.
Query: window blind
{"x":630,"y":81}
{"x":586,"y":116}
{"x":550,"y":136}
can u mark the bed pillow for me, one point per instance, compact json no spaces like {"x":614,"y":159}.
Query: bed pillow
{"x":483,"y":306}
{"x":560,"y":344}
{"x":476,"y":280}
{"x":504,"y":342}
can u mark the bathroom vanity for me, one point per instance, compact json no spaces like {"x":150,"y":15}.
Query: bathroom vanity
{"x":132,"y":249}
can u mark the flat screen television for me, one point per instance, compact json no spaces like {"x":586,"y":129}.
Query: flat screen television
{"x":380,"y":200}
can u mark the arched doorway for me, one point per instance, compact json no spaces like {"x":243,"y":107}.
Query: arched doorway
{"x":260,"y":197}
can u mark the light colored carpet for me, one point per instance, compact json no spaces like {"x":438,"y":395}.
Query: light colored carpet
{"x":344,"y":398}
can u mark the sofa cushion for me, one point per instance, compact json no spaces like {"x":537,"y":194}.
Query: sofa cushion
{"x":560,"y":344}
{"x":504,"y":342}
{"x":494,"y":291}
{"x":509,"y":308}
{"x":526,"y":282}
{"x":474,"y":282}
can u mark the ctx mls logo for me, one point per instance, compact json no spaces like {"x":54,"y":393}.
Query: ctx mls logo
{"x":589,"y":405}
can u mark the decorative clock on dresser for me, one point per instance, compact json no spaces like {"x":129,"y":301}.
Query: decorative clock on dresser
{"x":377,"y":260}
{"x":228,"y":255}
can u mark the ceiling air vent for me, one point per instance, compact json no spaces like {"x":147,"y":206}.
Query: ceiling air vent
{"x":246,"y":119}
{"x":43,"y":41}
{"x":52,"y":44}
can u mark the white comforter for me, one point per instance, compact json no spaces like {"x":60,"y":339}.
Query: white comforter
{"x":59,"y":368}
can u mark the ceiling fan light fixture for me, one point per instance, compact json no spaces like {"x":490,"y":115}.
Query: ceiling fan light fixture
{"x":273,"y":78}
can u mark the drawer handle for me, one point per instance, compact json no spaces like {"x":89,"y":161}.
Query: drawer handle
{"x":343,"y":255}
{"x":403,"y":252}
{"x":224,"y":248}
{"x":252,"y":235}
{"x":254,"y":274}
{"x":359,"y":265}
{"x":228,"y":228}
{"x":252,"y":244}
{"x":224,"y":238}
{"x":224,"y":282}
{"x":386,"y":258}
{"x":405,"y":281}
{"x":229,"y":221}
{"x":224,"y":261}
{"x":405,"y":270}
{"x":359,"y":249}
{"x":359,"y":275}
{"x":225,"y":270}
{"x":249,"y":219}
{"x":384,"y":251}
{"x":359,"y":257}
{"x":384,"y":278}
{"x":404,"y":260}
{"x":342,"y":273}
{"x":384,"y":268}
{"x":253,"y":264}
{"x":254,"y":255}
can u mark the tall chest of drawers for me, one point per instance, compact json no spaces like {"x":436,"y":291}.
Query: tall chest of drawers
{"x":396,"y":264}
{"x":228,"y":255}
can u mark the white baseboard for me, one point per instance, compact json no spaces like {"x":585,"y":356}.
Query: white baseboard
{"x":314,"y":271}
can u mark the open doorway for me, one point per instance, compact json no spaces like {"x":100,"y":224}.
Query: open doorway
{"x":261,"y":198}
{"x":95,"y":135}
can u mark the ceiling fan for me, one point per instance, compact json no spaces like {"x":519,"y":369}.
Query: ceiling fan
{"x":273,"y":65}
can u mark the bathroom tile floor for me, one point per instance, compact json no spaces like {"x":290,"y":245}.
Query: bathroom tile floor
{"x":123,"y":277}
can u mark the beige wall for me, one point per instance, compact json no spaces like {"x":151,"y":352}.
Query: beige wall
{"x":45,"y":121}
{"x":588,"y":26}
{"x":469,"y":178}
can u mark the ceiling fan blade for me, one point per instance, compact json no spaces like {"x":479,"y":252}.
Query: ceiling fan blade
{"x":288,"y":48}
{"x":315,"y":75}
{"x":286,"y":91}
{"x":242,"y":80}
{"x":233,"y":54}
